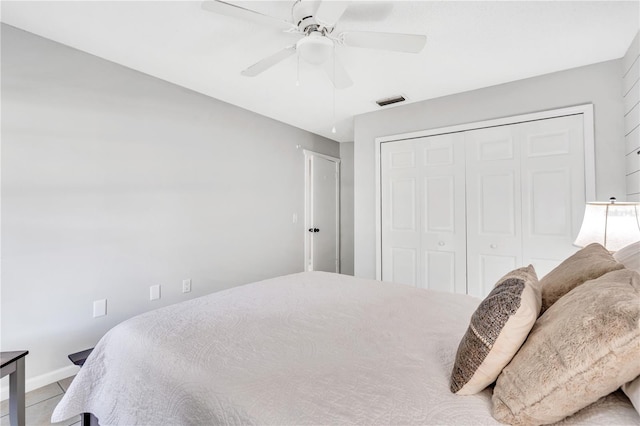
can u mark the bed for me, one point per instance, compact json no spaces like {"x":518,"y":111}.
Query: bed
{"x":308,"y":348}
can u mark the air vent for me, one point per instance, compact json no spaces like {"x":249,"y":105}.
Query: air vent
{"x":392,"y":100}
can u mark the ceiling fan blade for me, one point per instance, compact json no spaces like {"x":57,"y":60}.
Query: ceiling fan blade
{"x":337,"y":73}
{"x":269,"y":61}
{"x":227,"y":9}
{"x":329,"y":12}
{"x":410,"y":43}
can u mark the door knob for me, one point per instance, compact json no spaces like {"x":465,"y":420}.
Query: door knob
{"x":314,"y":230}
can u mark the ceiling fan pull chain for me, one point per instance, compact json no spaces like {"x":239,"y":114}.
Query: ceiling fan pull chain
{"x":297,"y":68}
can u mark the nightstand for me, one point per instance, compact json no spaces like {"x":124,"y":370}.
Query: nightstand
{"x":12,"y":363}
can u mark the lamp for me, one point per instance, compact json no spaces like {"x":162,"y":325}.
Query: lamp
{"x":315,"y":48}
{"x":612,"y":224}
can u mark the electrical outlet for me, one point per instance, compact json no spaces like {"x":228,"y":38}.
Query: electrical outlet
{"x":99,"y":308}
{"x":154,"y":292}
{"x":186,"y":285}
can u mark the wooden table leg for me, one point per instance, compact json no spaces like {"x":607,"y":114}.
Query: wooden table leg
{"x":16,"y":394}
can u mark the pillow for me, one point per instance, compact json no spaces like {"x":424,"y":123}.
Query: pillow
{"x":586,"y":264}
{"x":584,"y":347}
{"x":497,"y":330}
{"x":632,"y":390}
{"x":629,"y":256}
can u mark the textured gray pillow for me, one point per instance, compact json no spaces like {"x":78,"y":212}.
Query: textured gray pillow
{"x":589,"y":263}
{"x":497,"y":330}
{"x":584,"y":347}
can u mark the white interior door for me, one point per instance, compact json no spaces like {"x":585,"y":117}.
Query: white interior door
{"x":322,"y":218}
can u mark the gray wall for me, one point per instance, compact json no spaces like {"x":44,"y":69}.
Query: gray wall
{"x":113,"y":181}
{"x":346,"y":208}
{"x":599,"y":84}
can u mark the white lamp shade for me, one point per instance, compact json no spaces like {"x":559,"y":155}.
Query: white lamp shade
{"x":614,"y":225}
{"x":315,"y":48}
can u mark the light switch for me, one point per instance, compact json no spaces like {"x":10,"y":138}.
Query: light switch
{"x":99,"y":308}
{"x":154,"y":292}
{"x":186,"y":285}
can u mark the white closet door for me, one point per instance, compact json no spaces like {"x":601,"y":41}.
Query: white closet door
{"x":553,"y":189}
{"x":494,"y":241}
{"x":423,"y":224}
{"x":460,"y":210}
{"x":400,"y":227}
{"x":443,"y":227}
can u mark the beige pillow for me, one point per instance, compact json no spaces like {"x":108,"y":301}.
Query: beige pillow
{"x":584,"y":347}
{"x":629,"y":256}
{"x":586,"y":264}
{"x":497,"y":330}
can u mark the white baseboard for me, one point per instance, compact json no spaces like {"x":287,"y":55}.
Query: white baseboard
{"x":43,"y":380}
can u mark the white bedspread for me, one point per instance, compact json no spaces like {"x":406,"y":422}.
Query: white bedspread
{"x":309,"y":348}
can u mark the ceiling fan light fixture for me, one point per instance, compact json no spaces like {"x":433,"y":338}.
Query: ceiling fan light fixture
{"x":315,"y":48}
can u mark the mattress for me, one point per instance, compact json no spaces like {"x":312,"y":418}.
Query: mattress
{"x":309,"y":348}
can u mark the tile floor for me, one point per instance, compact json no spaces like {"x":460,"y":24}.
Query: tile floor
{"x":40,"y":404}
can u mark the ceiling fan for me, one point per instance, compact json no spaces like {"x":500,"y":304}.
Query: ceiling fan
{"x":314,"y":23}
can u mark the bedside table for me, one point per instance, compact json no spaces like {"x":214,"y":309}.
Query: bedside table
{"x":12,"y":363}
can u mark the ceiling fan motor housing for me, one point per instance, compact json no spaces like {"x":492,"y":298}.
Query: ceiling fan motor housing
{"x":302,"y":16}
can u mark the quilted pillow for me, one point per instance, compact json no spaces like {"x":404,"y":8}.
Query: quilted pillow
{"x":589,"y":263}
{"x":583,"y":348}
{"x":497,"y":330}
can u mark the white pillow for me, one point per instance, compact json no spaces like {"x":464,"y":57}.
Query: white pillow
{"x":629,"y":256}
{"x":632,"y":390}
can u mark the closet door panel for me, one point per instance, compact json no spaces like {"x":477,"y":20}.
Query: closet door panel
{"x":443,"y":231}
{"x":493,"y":207}
{"x":496,"y":203}
{"x":553,"y":189}
{"x":400,"y":213}
{"x":489,"y":266}
{"x":423,"y":212}
{"x":403,"y":266}
{"x":440,"y":270}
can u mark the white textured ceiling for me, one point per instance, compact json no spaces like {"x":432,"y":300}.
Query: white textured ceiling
{"x":470,"y":45}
